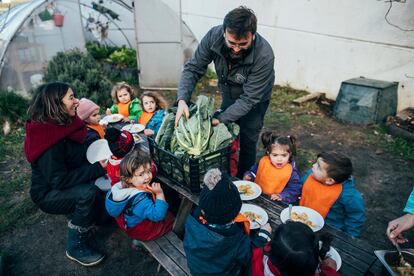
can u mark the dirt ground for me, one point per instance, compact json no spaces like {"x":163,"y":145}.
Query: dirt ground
{"x":384,"y":179}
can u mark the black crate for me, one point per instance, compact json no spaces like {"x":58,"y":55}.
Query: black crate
{"x":188,"y":172}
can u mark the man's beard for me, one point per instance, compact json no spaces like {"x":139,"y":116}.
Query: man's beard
{"x":239,"y":56}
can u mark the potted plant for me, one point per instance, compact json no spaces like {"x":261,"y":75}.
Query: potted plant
{"x":58,"y":18}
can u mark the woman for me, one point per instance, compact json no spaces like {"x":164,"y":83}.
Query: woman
{"x":62,"y":179}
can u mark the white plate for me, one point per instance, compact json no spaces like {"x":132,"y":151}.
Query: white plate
{"x":257,"y":210}
{"x":333,"y":254}
{"x":134,"y":128}
{"x":113,"y":118}
{"x":98,"y":150}
{"x":256,"y":189}
{"x":316,"y":219}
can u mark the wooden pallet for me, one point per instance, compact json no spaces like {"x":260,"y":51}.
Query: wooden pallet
{"x":169,"y":252}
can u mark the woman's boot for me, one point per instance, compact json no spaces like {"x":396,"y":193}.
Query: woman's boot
{"x":78,"y":249}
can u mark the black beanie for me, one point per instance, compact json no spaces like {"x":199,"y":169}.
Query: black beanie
{"x":220,"y":204}
{"x":120,"y":142}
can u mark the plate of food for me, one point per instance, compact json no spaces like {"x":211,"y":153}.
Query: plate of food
{"x":113,"y":118}
{"x":255,"y":214}
{"x":248,"y":190}
{"x":305,"y":215}
{"x":134,"y":128}
{"x":98,"y":150}
{"x":334,"y":255}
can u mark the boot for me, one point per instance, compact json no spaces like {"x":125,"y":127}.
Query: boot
{"x":78,"y":249}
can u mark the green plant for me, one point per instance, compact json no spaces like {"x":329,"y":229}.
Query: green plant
{"x":123,"y":58}
{"x":98,"y":51}
{"x":13,"y":107}
{"x":84,"y":74}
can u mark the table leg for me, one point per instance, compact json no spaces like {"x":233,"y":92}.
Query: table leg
{"x":183,"y":211}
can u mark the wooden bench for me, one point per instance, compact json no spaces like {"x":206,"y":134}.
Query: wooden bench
{"x":169,"y":252}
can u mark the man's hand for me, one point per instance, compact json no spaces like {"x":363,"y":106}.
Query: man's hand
{"x":181,"y":109}
{"x":399,"y":225}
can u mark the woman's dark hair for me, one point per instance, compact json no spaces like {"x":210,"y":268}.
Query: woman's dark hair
{"x":296,"y":250}
{"x":240,"y":22}
{"x":47,"y":103}
{"x":339,"y":166}
{"x":270,"y":139}
{"x":131,"y":162}
{"x":160,"y":102}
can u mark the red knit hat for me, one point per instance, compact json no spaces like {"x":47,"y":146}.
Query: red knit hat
{"x":86,"y":108}
{"x":120,"y":142}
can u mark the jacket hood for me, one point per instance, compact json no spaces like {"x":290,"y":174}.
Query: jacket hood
{"x":117,"y":199}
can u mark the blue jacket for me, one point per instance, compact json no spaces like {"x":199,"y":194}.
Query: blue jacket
{"x":409,"y":206}
{"x":292,"y":189}
{"x":118,"y":198}
{"x":348,"y":212}
{"x":155,"y":122}
{"x":209,"y":252}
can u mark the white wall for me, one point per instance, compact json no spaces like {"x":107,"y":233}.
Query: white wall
{"x":320,"y":43}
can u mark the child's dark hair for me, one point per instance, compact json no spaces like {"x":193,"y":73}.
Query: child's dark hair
{"x":339,"y":166}
{"x":295,"y":249}
{"x":118,"y":86}
{"x":131,"y":162}
{"x":270,"y":138}
{"x":160,"y":102}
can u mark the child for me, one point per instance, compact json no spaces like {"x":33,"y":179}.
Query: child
{"x":138,"y":206}
{"x":295,"y":250}
{"x":329,"y":189}
{"x":214,"y":242}
{"x":125,"y":103}
{"x":276,"y":172}
{"x":120,"y":143}
{"x":88,"y":111}
{"x":153,"y":111}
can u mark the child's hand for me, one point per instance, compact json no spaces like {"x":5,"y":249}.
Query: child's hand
{"x":276,"y":197}
{"x":329,"y":262}
{"x":247,"y":177}
{"x":108,"y":111}
{"x":104,"y":163}
{"x":125,"y":120}
{"x":267,"y":227}
{"x":148,"y":132}
{"x":156,"y":188}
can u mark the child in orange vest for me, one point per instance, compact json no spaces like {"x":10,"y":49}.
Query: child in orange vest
{"x":125,"y":102}
{"x":329,"y":189}
{"x":153,"y":112}
{"x":276,"y":172}
{"x":139,"y":206}
{"x":88,"y":111}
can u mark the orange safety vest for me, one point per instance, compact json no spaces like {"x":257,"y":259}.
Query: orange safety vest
{"x":272,"y":180}
{"x":145,"y":117}
{"x":97,"y":128}
{"x":318,"y":196}
{"x":123,"y":109}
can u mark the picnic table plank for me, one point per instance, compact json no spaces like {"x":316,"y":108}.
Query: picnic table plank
{"x":185,"y":208}
{"x":170,"y":249}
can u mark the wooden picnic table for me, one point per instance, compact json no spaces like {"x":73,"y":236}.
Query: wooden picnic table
{"x":357,"y":255}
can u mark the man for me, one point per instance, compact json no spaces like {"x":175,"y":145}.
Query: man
{"x":244,"y":64}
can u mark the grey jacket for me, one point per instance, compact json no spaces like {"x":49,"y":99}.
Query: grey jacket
{"x":248,"y":83}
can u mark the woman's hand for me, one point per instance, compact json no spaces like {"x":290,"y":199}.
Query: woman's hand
{"x":277,"y":197}
{"x":181,"y":109}
{"x":108,"y":111}
{"x":148,"y":132}
{"x":399,"y":225}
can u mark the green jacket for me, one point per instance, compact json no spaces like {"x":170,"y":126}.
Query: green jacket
{"x":135,"y":109}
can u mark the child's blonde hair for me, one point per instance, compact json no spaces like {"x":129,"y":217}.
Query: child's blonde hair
{"x":118,"y":86}
{"x":160,"y":102}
